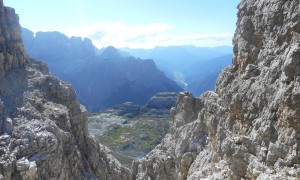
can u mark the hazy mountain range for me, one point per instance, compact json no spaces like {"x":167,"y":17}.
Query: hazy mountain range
{"x":179,"y":58}
{"x":63,"y":55}
{"x":101,"y":80}
{"x":114,"y":79}
{"x":108,"y":76}
{"x":194,"y":68}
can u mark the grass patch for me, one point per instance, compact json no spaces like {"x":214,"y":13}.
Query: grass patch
{"x":287,"y":174}
{"x":298,"y":175}
{"x":135,"y":139}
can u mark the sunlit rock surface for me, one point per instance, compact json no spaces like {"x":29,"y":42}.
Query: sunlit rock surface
{"x":249,"y":127}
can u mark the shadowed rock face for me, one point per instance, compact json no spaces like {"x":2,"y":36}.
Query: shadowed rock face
{"x":64,"y":56}
{"x":249,"y":127}
{"x":43,"y":128}
{"x":111,"y":79}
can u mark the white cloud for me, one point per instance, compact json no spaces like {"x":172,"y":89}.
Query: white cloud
{"x":144,"y":36}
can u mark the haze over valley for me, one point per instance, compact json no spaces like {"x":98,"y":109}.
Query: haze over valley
{"x":75,"y":60}
{"x":128,"y":92}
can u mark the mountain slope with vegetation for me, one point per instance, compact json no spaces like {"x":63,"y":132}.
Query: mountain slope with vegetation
{"x":131,"y":131}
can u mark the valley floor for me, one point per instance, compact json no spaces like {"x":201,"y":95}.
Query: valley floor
{"x":128,"y":138}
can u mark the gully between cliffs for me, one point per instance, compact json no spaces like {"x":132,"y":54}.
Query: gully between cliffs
{"x":248,"y":128}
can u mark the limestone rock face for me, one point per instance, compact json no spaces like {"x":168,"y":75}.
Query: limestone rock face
{"x":162,"y":100}
{"x":158,"y":105}
{"x":127,"y":109}
{"x":250,"y":126}
{"x":12,"y":51}
{"x":43,"y":128}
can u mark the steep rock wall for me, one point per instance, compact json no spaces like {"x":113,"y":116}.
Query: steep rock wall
{"x":249,"y":127}
{"x":12,"y":51}
{"x":43,"y":128}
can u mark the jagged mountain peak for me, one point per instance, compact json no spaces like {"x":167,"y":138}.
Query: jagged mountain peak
{"x":110,"y":52}
{"x":102,"y":79}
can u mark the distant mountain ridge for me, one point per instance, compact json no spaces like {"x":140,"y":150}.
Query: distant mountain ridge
{"x":63,"y":55}
{"x":195,"y":68}
{"x":131,"y":79}
{"x":179,"y":57}
{"x":103,"y":78}
{"x":201,"y":76}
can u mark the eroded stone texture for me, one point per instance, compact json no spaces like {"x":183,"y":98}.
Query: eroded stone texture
{"x":12,"y":52}
{"x":250,"y":126}
{"x":43,"y":133}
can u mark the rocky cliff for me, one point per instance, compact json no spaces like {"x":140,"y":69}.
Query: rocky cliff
{"x":43,"y":128}
{"x":162,"y":100}
{"x":249,"y":127}
{"x":11,"y":47}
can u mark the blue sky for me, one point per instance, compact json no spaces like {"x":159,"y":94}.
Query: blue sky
{"x":133,"y":23}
